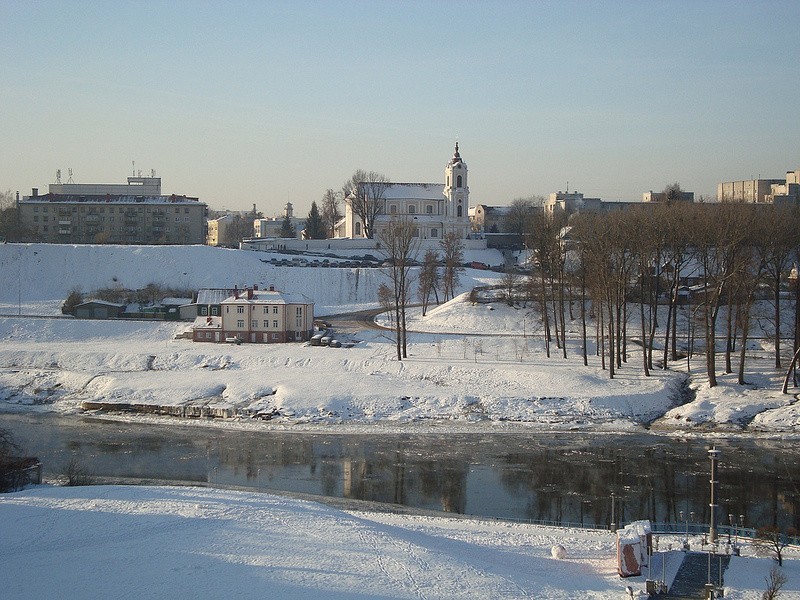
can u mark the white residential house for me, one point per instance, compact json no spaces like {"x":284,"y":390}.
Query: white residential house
{"x":258,"y":316}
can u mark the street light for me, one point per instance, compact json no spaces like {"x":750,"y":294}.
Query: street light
{"x":713,"y":454}
{"x":686,"y":539}
{"x":613,"y":514}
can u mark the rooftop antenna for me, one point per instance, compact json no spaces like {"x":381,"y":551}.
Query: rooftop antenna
{"x":133,"y":164}
{"x":568,"y":187}
{"x":70,"y":176}
{"x":58,"y":175}
{"x":152,"y":172}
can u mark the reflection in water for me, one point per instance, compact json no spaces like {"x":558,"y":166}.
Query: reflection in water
{"x":562,"y":478}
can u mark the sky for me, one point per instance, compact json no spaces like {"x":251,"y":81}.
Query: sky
{"x":242,"y":103}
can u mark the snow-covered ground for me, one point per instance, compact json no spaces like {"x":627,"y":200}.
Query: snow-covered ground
{"x":469,"y":365}
{"x":176,"y":543}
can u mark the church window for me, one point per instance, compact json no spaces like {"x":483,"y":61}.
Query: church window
{"x":412,"y":209}
{"x":358,"y":228}
{"x":459,"y":212}
{"x":429,"y":209}
{"x":458,"y":182}
{"x":393,"y":209}
{"x":434,"y":233}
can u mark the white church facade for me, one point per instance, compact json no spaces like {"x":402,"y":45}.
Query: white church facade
{"x":435,"y":208}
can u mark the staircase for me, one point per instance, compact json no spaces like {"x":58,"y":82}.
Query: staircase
{"x":692,"y":576}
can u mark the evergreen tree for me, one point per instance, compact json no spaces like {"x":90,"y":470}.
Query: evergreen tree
{"x":287,"y":229}
{"x":315,"y":227}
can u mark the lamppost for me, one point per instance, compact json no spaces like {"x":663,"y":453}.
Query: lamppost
{"x":713,"y":454}
{"x":613,"y":514}
{"x":686,"y":539}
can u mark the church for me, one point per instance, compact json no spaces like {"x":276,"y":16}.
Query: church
{"x":435,"y":208}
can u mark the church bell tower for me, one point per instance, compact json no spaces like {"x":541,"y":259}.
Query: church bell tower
{"x":457,"y":192}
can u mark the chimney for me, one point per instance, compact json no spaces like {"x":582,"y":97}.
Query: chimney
{"x":35,"y":192}
{"x":249,"y":294}
{"x":272,"y":288}
{"x":236,"y":292}
{"x":255,"y":287}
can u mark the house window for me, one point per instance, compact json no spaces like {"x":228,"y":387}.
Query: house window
{"x":215,"y":310}
{"x":275,"y":324}
{"x":185,"y":219}
{"x":266,"y":310}
{"x":177,"y":219}
{"x":299,"y":322}
{"x":393,"y":209}
{"x":276,"y":336}
{"x":358,"y":228}
{"x":274,"y":310}
{"x":240,"y":323}
{"x":434,"y":233}
{"x":266,"y":323}
{"x":203,"y":311}
{"x":254,"y":324}
{"x":299,"y":311}
{"x":240,"y":309}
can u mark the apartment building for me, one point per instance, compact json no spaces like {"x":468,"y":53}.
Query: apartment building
{"x":132,"y":213}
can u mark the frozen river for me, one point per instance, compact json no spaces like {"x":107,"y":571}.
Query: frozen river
{"x":560,"y":477}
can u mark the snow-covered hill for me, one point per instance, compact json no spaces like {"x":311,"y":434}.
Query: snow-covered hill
{"x":36,"y":278}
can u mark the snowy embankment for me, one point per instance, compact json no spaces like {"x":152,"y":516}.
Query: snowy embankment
{"x":468,"y":364}
{"x":58,"y":364}
{"x":176,"y":543}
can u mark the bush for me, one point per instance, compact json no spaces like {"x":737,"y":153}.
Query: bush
{"x":76,"y":474}
{"x":75,"y":297}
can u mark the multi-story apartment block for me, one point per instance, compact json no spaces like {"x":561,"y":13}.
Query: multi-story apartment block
{"x":258,"y":316}
{"x":132,"y":213}
{"x":751,"y":190}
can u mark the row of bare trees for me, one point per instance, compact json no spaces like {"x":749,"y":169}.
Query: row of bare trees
{"x":400,"y":244}
{"x":640,"y":260}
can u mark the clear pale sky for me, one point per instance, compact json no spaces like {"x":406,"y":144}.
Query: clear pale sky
{"x":263,"y":102}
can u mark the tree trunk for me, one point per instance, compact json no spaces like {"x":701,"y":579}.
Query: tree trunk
{"x":777,"y":297}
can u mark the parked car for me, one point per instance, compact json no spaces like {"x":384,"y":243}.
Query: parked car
{"x":233,"y":340}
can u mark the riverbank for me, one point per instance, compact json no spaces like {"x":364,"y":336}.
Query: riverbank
{"x":449,"y":382}
{"x":167,"y":542}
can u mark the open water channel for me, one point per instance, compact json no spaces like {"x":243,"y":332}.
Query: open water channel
{"x":559,"y":477}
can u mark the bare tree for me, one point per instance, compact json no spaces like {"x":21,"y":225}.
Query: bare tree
{"x":777,"y":244}
{"x":330,"y":211}
{"x":718,"y":238}
{"x":364,"y":192}
{"x":520,"y":215}
{"x":772,"y":541}
{"x":509,"y":283}
{"x":775,"y":582}
{"x":673,"y":193}
{"x":400,"y":244}
{"x":453,"y":257}
{"x":428,"y":279}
